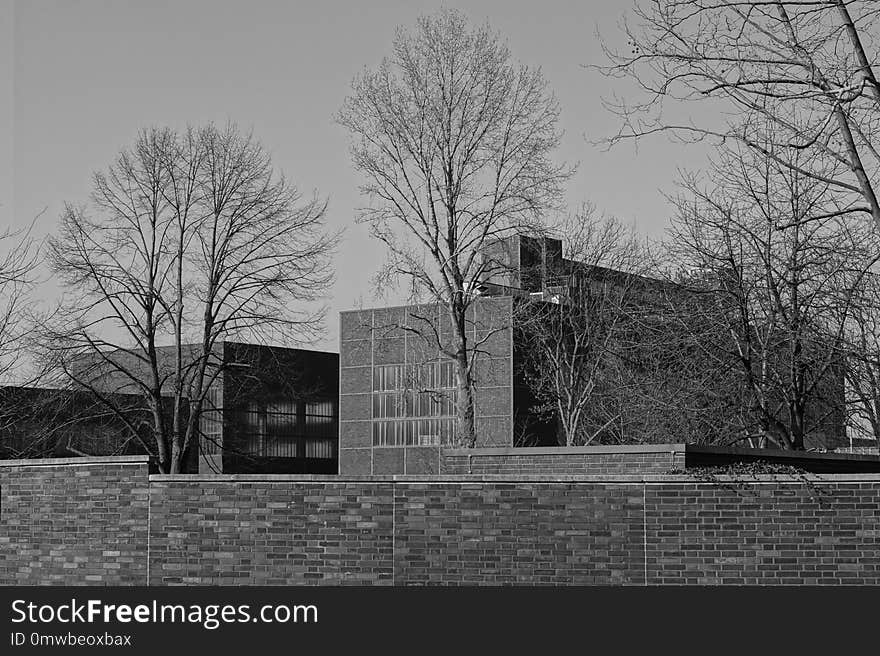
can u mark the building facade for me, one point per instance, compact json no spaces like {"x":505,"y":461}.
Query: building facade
{"x":269,"y":409}
{"x":398,"y":393}
{"x":37,"y":422}
{"x":272,"y":410}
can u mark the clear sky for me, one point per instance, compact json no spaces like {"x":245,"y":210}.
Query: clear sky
{"x":80,"y":77}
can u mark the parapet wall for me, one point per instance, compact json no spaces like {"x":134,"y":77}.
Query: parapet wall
{"x":110,"y":522}
{"x":565,"y":461}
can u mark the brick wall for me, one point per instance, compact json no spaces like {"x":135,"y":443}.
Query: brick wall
{"x":759,"y":533}
{"x":535,"y":533}
{"x":231,"y":530}
{"x":565,"y":461}
{"x":219,"y":531}
{"x":64,"y":523}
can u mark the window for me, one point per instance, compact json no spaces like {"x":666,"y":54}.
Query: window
{"x":211,"y":420}
{"x":289,"y":429}
{"x":414,"y":405}
{"x":321,"y":429}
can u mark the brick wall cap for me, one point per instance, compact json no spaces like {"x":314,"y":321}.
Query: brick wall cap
{"x":84,"y":461}
{"x":470,"y":479}
{"x":657,"y":448}
{"x":564,"y":450}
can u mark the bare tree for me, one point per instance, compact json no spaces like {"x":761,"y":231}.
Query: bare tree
{"x":572,"y":339}
{"x":781,"y":77}
{"x":190,"y":239}
{"x":18,"y":261}
{"x":37,"y":422}
{"x":775,"y":269}
{"x":454,"y":141}
{"x":610,"y":356}
{"x":863,"y":361}
{"x":661,"y":386}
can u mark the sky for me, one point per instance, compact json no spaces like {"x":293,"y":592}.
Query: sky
{"x":81,"y":77}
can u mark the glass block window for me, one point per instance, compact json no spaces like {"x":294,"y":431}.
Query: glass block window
{"x":414,"y":404}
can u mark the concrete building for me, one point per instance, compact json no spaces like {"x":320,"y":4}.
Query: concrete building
{"x":275,"y":410}
{"x":269,"y":410}
{"x":397,"y":393}
{"x":39,"y":422}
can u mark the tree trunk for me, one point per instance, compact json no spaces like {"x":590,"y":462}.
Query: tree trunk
{"x":798,"y":423}
{"x":176,"y":466}
{"x":864,"y":64}
{"x":465,"y":431}
{"x":565,"y":421}
{"x":875,"y":420}
{"x":160,"y":436}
